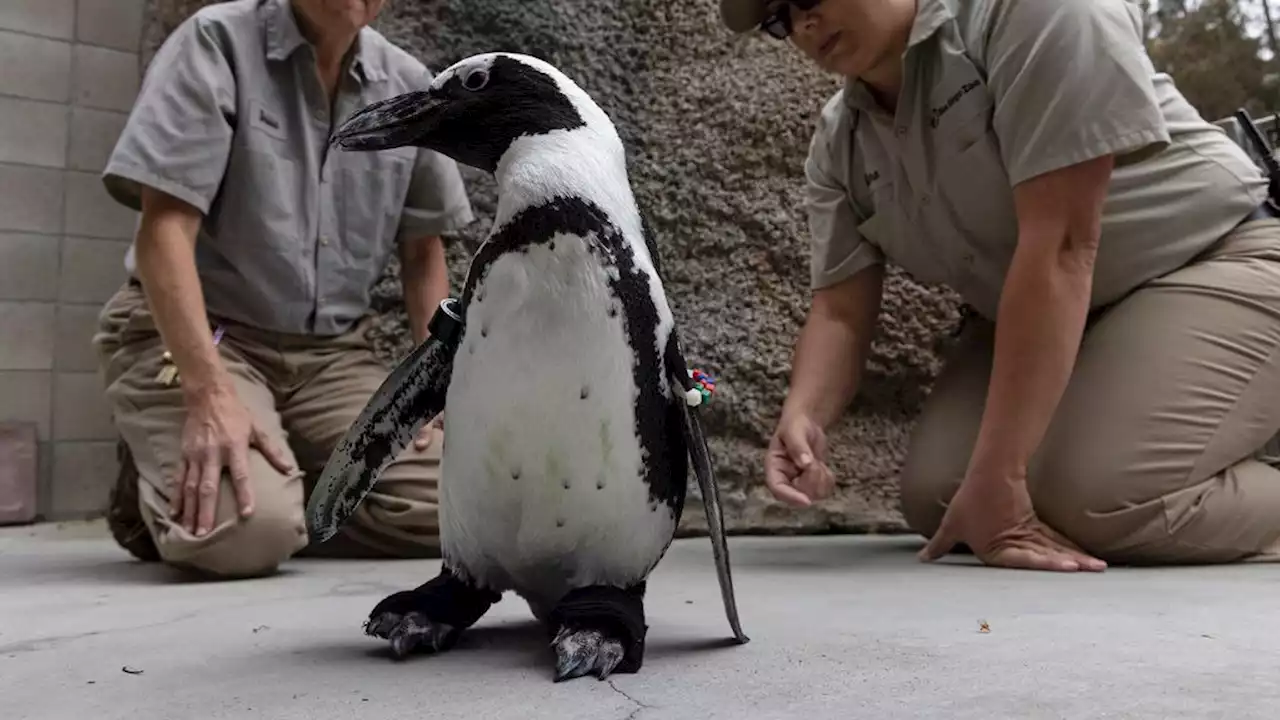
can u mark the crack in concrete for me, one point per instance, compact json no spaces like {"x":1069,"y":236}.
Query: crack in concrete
{"x":639,"y":705}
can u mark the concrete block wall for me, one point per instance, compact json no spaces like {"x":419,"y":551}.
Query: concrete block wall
{"x":69,"y":72}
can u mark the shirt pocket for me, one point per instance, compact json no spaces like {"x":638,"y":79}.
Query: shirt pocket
{"x":974,"y":185}
{"x":374,"y":186}
{"x":884,"y":221}
{"x":965,"y":124}
{"x":262,"y":182}
{"x":266,"y":123}
{"x":890,"y":229}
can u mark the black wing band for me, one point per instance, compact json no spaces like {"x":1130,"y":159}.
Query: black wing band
{"x":411,"y":396}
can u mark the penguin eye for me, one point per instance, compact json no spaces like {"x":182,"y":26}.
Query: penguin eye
{"x":475,"y":79}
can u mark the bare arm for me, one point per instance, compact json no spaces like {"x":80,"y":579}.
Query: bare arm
{"x":1039,"y":324}
{"x":1042,"y":313}
{"x":1069,"y":81}
{"x":425,"y":278}
{"x":218,"y":430}
{"x":167,"y":269}
{"x":826,"y":371}
{"x":832,"y":350}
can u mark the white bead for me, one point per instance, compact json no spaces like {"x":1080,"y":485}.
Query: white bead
{"x":692,"y":397}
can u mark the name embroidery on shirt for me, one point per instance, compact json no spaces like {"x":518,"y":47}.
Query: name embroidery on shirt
{"x":937,"y":113}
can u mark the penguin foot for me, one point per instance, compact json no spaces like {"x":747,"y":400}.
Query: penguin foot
{"x":410,"y":632}
{"x":430,"y":617}
{"x":599,"y":630}
{"x":585,"y":652}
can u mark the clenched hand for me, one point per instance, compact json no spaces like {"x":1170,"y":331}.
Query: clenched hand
{"x":795,"y":467}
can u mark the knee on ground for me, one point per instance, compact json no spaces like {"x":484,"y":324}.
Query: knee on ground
{"x":241,"y":547}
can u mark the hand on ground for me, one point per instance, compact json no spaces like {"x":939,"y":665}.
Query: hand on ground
{"x":994,"y":517}
{"x":795,"y":466}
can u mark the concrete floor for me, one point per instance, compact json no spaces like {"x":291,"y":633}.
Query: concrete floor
{"x":844,"y":627}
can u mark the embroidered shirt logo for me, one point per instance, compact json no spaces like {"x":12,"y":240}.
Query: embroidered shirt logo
{"x":936,"y":114}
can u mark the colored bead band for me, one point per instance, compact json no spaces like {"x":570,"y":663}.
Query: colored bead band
{"x":703,"y":386}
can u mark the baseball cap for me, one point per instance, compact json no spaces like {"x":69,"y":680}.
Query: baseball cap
{"x":742,"y":16}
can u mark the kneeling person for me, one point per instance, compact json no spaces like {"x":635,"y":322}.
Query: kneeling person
{"x":236,"y":356}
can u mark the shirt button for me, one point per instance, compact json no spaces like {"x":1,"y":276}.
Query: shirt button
{"x":324,"y":241}
{"x":924,"y":200}
{"x":900,"y":131}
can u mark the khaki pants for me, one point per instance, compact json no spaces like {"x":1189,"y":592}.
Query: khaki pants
{"x":1155,"y":453}
{"x":304,"y":392}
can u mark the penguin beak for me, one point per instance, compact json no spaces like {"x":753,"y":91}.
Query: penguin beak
{"x":395,"y":122}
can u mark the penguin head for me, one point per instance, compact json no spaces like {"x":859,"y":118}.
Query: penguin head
{"x":474,"y":110}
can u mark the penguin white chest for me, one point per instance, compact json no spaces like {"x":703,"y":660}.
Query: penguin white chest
{"x":543,"y":469}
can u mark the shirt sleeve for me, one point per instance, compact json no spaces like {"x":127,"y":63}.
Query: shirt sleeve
{"x":437,"y":200}
{"x":178,"y":135}
{"x":837,"y":249}
{"x":1071,"y":82}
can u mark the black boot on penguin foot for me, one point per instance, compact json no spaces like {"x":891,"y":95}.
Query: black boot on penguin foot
{"x":429,"y":618}
{"x":599,"y":631}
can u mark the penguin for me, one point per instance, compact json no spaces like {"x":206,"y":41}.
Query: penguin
{"x":572,"y":414}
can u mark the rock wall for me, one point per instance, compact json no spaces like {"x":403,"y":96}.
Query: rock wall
{"x":717,"y":128}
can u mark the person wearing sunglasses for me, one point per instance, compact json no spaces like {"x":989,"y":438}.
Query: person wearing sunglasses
{"x":1114,"y":396}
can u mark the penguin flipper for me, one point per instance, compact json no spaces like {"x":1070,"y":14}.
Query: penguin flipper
{"x":696,"y":439}
{"x":715,"y":516}
{"x":410,"y":397}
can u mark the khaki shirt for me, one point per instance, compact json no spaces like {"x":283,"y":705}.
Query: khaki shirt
{"x":999,"y":91}
{"x":232,"y":119}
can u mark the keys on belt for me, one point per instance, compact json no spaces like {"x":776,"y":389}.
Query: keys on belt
{"x":168,"y":374}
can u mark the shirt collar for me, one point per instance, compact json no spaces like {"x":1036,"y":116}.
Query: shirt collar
{"x":930,"y":15}
{"x":284,"y":37}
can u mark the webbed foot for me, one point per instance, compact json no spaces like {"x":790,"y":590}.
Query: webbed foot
{"x":429,"y":618}
{"x":586,"y":652}
{"x":410,"y":631}
{"x":599,"y":630}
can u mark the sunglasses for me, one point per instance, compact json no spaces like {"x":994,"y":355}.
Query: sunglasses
{"x":778,"y":22}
